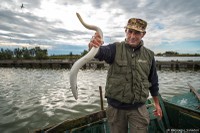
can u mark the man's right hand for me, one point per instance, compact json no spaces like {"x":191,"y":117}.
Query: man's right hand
{"x":96,"y":41}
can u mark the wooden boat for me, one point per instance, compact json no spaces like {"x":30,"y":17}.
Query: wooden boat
{"x":184,"y":110}
{"x":180,"y":113}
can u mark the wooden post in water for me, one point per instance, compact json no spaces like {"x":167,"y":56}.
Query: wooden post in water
{"x":177,"y":65}
{"x":101,"y":97}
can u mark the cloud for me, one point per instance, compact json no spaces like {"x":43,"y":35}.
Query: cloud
{"x":51,"y":24}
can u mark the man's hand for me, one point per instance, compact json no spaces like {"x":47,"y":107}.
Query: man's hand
{"x":158,"y":110}
{"x":96,"y":41}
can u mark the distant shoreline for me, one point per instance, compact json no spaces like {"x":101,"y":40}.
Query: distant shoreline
{"x":178,"y":55}
{"x":173,"y":64}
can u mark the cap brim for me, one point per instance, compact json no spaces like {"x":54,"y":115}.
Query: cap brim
{"x":134,"y":28}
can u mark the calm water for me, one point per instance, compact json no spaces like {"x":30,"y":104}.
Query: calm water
{"x":35,"y":98}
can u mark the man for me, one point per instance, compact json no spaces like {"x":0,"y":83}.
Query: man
{"x":131,"y":75}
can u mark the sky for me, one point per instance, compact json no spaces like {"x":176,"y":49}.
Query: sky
{"x":173,"y":25}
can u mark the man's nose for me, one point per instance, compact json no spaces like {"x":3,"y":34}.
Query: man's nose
{"x":132,"y":35}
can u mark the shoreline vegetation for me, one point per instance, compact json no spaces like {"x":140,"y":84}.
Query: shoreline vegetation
{"x":41,"y":54}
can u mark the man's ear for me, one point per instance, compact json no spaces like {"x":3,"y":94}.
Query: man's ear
{"x":144,"y":33}
{"x":126,"y":30}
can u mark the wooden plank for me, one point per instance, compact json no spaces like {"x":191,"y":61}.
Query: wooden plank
{"x":194,"y":91}
{"x":70,"y":124}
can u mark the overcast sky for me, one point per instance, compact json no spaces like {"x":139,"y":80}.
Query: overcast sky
{"x":173,"y":25}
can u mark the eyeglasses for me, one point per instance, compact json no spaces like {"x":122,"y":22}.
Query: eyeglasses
{"x":130,"y":31}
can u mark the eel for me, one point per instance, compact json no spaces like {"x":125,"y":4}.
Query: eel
{"x":86,"y":58}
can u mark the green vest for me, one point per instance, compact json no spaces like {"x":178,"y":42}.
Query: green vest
{"x":127,"y":79}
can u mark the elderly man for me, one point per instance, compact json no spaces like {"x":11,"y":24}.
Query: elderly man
{"x":131,"y":76}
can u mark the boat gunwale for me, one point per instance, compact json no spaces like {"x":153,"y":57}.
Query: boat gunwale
{"x":76,"y":122}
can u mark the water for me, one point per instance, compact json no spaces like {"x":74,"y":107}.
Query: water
{"x":163,"y":58}
{"x":35,"y":98}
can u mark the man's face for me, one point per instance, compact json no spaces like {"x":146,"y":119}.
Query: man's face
{"x":133,"y":37}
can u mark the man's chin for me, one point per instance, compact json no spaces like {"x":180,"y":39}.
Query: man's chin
{"x":132,"y":43}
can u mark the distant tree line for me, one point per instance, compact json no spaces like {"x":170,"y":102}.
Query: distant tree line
{"x":34,"y":53}
{"x":174,"y":53}
{"x":69,"y":56}
{"x":24,"y":53}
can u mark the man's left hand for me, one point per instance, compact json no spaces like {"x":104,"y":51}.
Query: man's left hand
{"x":158,"y":112}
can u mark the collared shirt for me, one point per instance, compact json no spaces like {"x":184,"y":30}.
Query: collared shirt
{"x":107,"y":53}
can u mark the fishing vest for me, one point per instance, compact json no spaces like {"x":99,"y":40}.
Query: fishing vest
{"x":127,"y":79}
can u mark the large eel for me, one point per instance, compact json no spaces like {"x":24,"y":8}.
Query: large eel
{"x":79,"y":63}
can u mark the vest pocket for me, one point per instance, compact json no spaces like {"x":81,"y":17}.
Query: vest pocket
{"x":116,"y":87}
{"x":144,"y":90}
{"x":121,"y":66}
